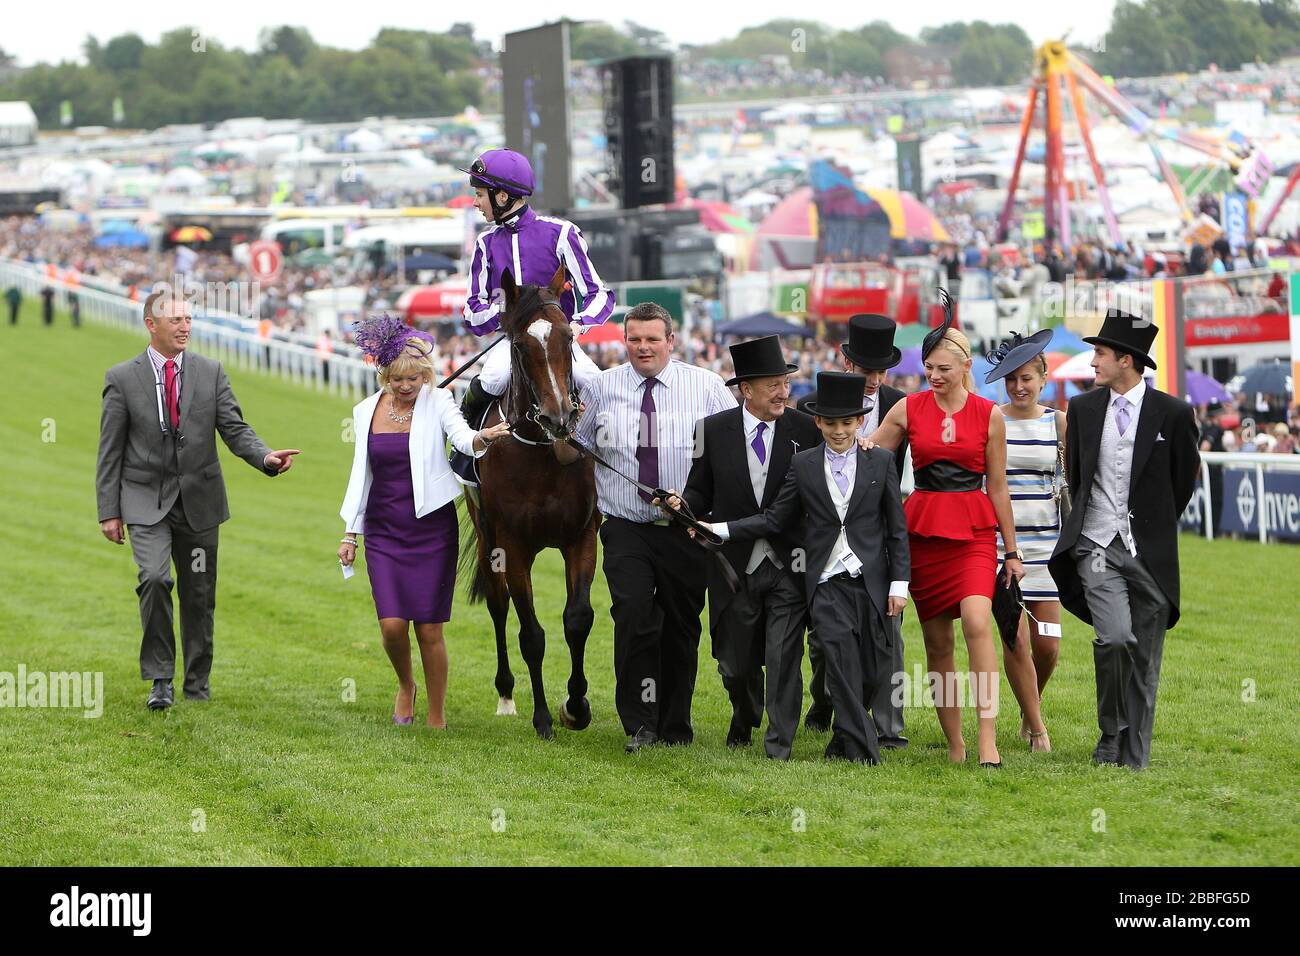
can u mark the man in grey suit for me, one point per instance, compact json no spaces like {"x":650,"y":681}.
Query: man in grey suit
{"x":157,"y":473}
{"x":1132,"y":461}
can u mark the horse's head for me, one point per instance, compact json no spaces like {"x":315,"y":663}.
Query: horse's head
{"x":542,"y":360}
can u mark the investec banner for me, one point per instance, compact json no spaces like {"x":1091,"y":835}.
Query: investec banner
{"x":1280,"y":507}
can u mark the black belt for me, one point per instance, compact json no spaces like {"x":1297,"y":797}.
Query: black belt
{"x":706,"y":538}
{"x":944,"y":475}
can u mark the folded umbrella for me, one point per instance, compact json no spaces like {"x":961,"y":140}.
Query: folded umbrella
{"x":1007,"y":605}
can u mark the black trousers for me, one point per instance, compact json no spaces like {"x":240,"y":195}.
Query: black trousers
{"x":656,"y":576}
{"x":156,"y":548}
{"x":763,"y":626}
{"x":885,"y":711}
{"x":855,"y":647}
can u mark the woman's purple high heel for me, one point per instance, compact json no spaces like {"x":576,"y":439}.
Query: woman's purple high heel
{"x":407,"y":720}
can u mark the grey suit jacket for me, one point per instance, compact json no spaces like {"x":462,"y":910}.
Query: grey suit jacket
{"x":140,"y":470}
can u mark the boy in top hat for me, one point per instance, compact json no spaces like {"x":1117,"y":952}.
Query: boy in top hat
{"x":870,"y":352}
{"x":845,"y":503}
{"x":1132,"y":460}
{"x":743,"y":455}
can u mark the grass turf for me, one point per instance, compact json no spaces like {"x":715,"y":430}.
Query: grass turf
{"x":280,"y":769}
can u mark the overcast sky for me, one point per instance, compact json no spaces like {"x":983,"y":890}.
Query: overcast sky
{"x":36,"y":32}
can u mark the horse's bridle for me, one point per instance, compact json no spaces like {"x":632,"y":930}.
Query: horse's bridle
{"x":534,"y":411}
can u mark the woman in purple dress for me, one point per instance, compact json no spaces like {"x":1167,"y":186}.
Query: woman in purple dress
{"x":402,"y":496}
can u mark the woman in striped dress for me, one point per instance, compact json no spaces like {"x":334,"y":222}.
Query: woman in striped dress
{"x":1033,"y":432}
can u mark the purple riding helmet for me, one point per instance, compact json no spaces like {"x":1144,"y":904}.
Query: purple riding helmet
{"x":505,"y":170}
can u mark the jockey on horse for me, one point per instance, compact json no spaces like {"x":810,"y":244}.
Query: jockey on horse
{"x":532,"y":247}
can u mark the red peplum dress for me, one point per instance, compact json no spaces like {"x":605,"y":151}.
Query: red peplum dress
{"x":951,"y":525}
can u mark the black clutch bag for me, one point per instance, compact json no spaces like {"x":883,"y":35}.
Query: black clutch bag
{"x":1007,"y":607}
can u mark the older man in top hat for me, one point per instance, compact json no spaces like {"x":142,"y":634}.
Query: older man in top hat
{"x":743,"y":455}
{"x":1132,"y":461}
{"x":869,"y":352}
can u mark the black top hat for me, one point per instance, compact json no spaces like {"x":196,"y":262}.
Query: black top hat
{"x":1128,"y":333}
{"x":839,"y":395}
{"x":871,"y":342}
{"x":759,"y":358}
{"x":1015,"y":352}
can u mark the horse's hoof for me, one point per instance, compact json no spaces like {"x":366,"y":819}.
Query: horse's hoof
{"x":576,"y":723}
{"x":506,"y":707}
{"x":545,"y":732}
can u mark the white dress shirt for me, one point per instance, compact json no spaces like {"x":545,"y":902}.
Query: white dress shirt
{"x":758,"y":481}
{"x":842,"y":557}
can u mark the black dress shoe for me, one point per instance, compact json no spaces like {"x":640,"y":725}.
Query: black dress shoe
{"x":739,"y":735}
{"x":160,"y":698}
{"x":835,"y":749}
{"x":642,"y":738}
{"x":1107,"y":751}
{"x":893,"y":743}
{"x":818,"y":720}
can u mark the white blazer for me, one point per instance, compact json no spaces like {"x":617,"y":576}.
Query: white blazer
{"x":435,"y":420}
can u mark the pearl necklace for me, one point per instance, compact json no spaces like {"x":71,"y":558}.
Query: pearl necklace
{"x":399,"y":419}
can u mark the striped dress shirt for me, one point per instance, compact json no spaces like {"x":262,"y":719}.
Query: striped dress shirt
{"x":159,"y":362}
{"x":611,"y":426}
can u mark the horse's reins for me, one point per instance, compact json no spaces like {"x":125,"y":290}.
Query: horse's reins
{"x":708,"y":539}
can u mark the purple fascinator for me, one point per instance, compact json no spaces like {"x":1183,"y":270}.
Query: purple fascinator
{"x":383,"y":337}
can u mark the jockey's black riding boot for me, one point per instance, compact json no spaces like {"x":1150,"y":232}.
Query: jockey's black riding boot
{"x":474,"y":408}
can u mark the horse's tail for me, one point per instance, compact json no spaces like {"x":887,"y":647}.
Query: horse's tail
{"x":470,"y":566}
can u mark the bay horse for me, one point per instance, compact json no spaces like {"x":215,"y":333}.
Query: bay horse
{"x":529,"y":500}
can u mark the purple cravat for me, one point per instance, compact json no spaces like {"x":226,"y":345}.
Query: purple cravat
{"x":647,"y":446}
{"x":837,"y":469}
{"x":757,"y":444}
{"x":1122,"y":414}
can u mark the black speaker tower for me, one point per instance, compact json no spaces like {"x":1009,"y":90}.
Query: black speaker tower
{"x":637,"y":97}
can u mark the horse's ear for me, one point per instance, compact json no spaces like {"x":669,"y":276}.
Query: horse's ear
{"x":557,"y":282}
{"x":509,"y":288}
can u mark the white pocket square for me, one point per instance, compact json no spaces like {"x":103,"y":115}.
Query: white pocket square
{"x":1159,"y":437}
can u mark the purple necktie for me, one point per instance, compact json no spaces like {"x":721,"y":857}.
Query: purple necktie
{"x":841,"y":479}
{"x":757,"y":444}
{"x":647,"y":446}
{"x":1121,"y":414}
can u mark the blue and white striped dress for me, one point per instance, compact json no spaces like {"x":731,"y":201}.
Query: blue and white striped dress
{"x":1031,"y":470}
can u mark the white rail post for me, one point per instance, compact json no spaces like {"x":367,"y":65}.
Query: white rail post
{"x":1209,"y":509}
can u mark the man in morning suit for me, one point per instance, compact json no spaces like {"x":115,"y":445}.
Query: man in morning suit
{"x":157,"y":473}
{"x":845,"y":501}
{"x":1132,"y":461}
{"x":871,"y":353}
{"x":744,"y":454}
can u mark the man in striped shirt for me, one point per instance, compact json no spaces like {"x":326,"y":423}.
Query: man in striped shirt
{"x":532,"y":247}
{"x":641,"y":418}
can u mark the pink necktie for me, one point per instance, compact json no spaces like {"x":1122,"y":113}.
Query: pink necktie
{"x":169,"y":388}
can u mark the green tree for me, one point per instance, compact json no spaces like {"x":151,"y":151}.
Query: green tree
{"x":123,"y":53}
{"x":293,"y":43}
{"x":599,"y":41}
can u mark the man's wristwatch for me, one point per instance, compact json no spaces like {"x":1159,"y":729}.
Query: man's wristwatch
{"x":1017,"y":554}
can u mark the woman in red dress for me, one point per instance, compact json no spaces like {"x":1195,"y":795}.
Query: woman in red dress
{"x":959,"y":449}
